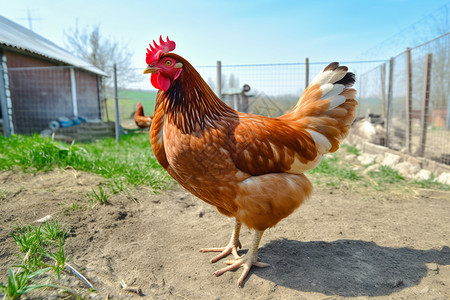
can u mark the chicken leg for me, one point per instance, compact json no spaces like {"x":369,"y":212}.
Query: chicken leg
{"x":232,"y":246}
{"x":247,"y":261}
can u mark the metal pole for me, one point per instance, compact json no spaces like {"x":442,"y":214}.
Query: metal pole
{"x":306,"y":72}
{"x":116,"y":100}
{"x":389,"y":100}
{"x":73,"y":85}
{"x":383,"y":90}
{"x":408,"y":104}
{"x":5,"y":98}
{"x":219,"y":79}
{"x":425,"y":104}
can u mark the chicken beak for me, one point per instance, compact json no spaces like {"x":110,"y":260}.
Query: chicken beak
{"x":150,"y":69}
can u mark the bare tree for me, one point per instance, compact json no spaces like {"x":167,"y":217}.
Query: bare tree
{"x":102,"y":52}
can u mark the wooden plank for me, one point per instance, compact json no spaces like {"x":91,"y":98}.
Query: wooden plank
{"x":425,"y":104}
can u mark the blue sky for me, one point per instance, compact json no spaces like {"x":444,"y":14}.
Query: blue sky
{"x":233,"y":31}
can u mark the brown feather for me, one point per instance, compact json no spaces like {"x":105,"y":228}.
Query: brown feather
{"x":240,"y":162}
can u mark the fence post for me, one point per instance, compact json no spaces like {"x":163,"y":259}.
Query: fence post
{"x":5,"y":98}
{"x":219,"y":79}
{"x":116,"y":100}
{"x":425,"y":105}
{"x":73,"y":86}
{"x":447,"y":122}
{"x":306,"y":72}
{"x":389,"y":101}
{"x":383,"y":90}
{"x":408,"y":104}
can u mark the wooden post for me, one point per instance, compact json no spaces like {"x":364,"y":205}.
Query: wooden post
{"x":383,"y":90}
{"x":408,"y":104}
{"x":116,"y":100}
{"x":219,"y":79}
{"x":389,"y":101}
{"x":425,"y":104}
{"x":306,"y":72}
{"x":447,"y":120}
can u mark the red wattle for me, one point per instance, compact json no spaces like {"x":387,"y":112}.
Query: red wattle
{"x":160,"y":82}
{"x":154,"y":81}
{"x":164,"y":82}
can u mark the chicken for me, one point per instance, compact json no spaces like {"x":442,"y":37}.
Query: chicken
{"x":141,"y":120}
{"x":249,"y":167}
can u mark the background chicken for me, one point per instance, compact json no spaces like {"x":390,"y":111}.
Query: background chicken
{"x":249,"y":166}
{"x":141,"y":120}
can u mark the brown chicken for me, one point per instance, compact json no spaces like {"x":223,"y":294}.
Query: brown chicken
{"x":249,"y":167}
{"x":141,"y":120}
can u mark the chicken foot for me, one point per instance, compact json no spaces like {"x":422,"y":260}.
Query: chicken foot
{"x":231,"y":248}
{"x":247,"y":261}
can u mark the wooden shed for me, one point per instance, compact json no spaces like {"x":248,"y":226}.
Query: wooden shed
{"x":41,"y":82}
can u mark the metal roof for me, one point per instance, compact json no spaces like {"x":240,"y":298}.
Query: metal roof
{"x":17,"y":36}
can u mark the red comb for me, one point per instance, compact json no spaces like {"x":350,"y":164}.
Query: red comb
{"x":155,"y":51}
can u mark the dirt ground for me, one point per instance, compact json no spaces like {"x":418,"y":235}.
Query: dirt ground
{"x":339,"y":244}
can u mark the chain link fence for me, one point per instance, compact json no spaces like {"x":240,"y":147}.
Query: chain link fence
{"x":411,"y":93}
{"x":43,"y":99}
{"x":271,"y":89}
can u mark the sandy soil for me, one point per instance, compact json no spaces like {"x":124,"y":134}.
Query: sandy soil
{"x":339,"y":244}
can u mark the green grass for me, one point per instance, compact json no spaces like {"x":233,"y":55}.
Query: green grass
{"x":351,"y":149}
{"x":130,"y":162}
{"x":101,"y":196}
{"x":19,"y":283}
{"x":386,"y":175}
{"x":334,"y":168}
{"x":128,"y":100}
{"x":37,"y":242}
{"x":42,"y":251}
{"x":430,"y":184}
{"x":334,"y":171}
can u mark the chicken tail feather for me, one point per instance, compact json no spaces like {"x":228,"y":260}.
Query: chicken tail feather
{"x":327,"y":107}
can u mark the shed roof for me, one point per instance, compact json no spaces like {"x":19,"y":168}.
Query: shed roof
{"x":17,"y":36}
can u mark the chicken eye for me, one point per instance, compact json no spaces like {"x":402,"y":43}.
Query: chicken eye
{"x":168,"y":62}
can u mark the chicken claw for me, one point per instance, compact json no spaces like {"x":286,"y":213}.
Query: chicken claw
{"x":225,"y":251}
{"x":247,"y":262}
{"x":231,"y":248}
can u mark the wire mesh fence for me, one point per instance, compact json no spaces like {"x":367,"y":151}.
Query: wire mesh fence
{"x":414,"y":106}
{"x":413,"y":99}
{"x":274,"y":88}
{"x":40,"y":96}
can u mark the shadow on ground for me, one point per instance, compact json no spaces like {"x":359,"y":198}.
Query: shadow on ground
{"x":346,"y":267}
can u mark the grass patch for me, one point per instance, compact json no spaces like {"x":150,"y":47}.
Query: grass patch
{"x":98,"y":197}
{"x":334,"y":167}
{"x":130,"y":162}
{"x":386,"y":175}
{"x":128,"y":100}
{"x":430,"y":184}
{"x":351,"y":149}
{"x":42,"y":257}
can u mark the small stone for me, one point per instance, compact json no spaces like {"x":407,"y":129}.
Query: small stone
{"x":367,"y":159}
{"x":422,"y":175}
{"x":444,"y":178}
{"x":44,"y":219}
{"x":372,"y":168}
{"x":390,"y":160}
{"x":406,"y":169}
